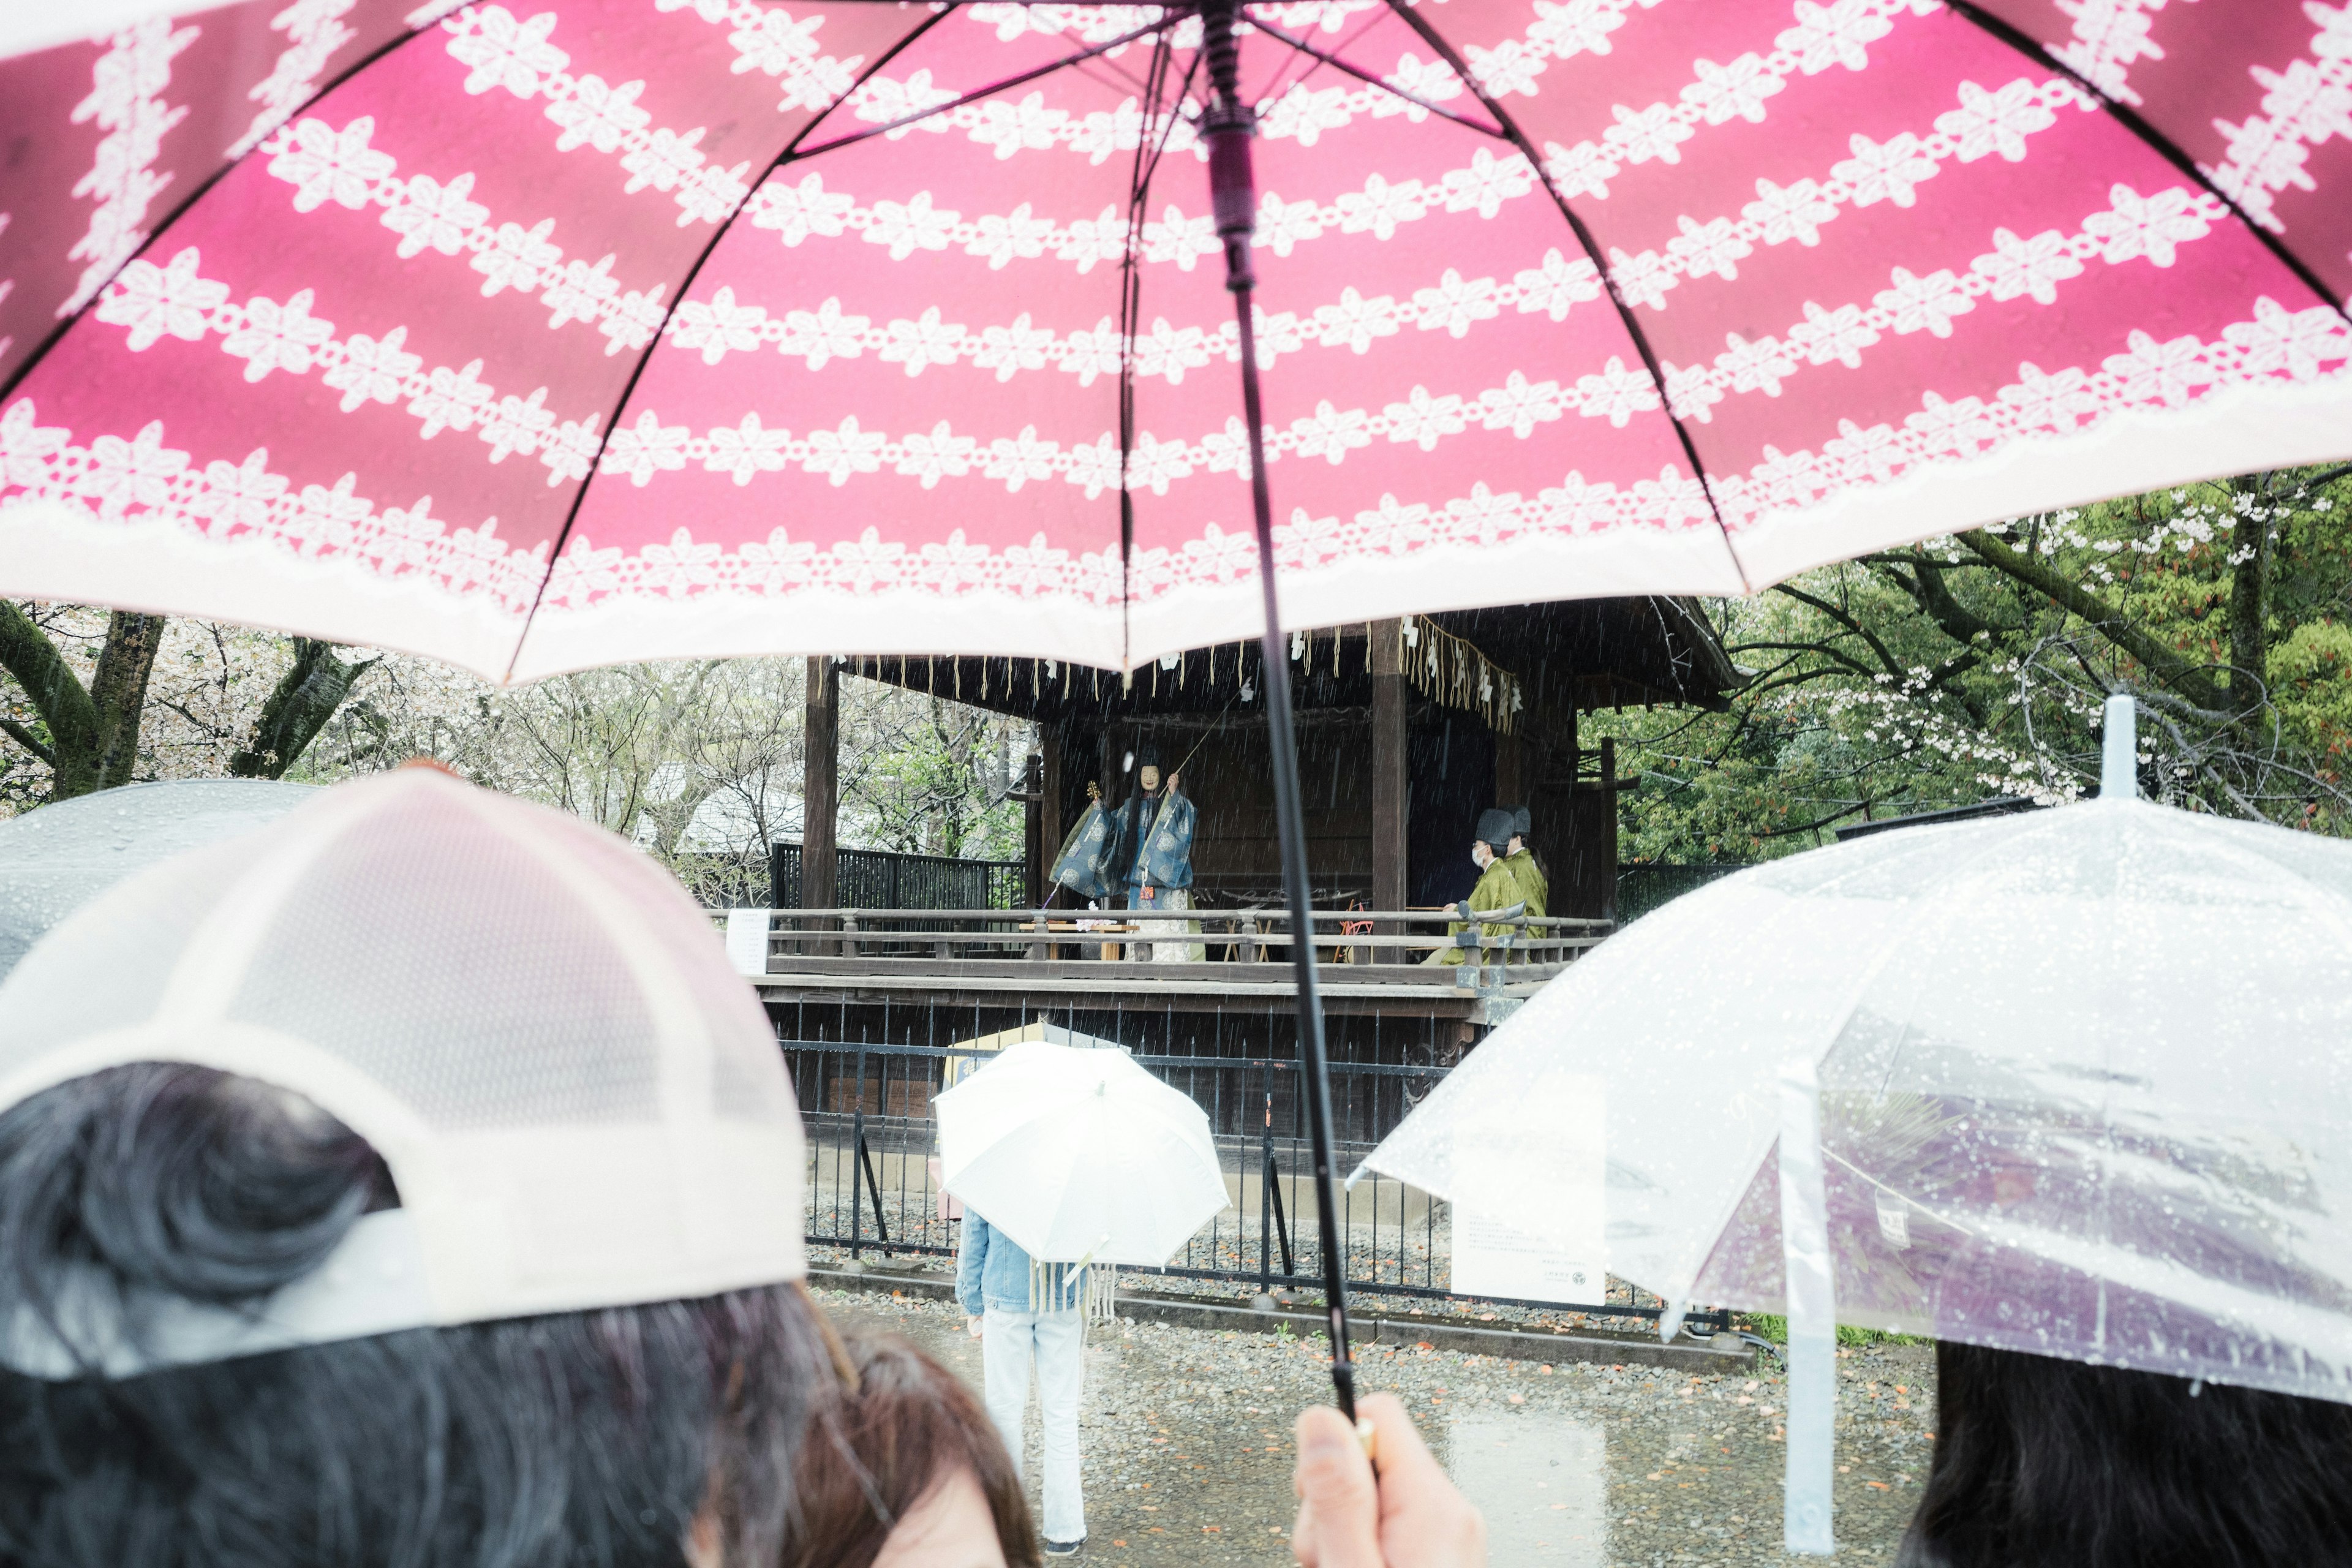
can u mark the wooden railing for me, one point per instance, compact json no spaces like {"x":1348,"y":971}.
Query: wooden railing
{"x":1398,"y":941}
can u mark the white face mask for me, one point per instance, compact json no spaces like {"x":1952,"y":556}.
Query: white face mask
{"x":1480,"y":856}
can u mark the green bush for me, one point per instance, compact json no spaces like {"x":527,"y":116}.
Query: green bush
{"x":1775,"y":1327}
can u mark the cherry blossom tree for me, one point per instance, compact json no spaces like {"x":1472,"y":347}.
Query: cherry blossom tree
{"x":1976,"y":666}
{"x":91,"y":701}
{"x":698,"y":761}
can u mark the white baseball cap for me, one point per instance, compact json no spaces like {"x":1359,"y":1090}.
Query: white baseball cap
{"x":580,"y":1102}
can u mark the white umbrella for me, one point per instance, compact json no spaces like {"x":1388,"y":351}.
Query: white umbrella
{"x":57,"y":859}
{"x":1079,"y":1155}
{"x":2082,"y":1090}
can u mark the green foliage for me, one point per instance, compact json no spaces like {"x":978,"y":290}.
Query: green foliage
{"x":935,"y":778}
{"x":1774,"y":1327}
{"x":1973,"y":667}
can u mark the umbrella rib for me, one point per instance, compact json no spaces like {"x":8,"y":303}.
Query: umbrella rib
{"x":1278,"y":88}
{"x":9,"y":384}
{"x":684,"y":284}
{"x":1175,"y":113}
{"x":1147,"y":153}
{"x":2157,"y":142}
{"x":1518,"y":138}
{"x":1138,"y":182}
{"x":1016,"y":80}
{"x":1304,"y":48}
{"x":1971,"y":1232}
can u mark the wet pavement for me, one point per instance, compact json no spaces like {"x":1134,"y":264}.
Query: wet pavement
{"x":1187,"y":1442}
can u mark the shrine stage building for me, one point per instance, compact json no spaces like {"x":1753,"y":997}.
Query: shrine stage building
{"x":1407,"y":729}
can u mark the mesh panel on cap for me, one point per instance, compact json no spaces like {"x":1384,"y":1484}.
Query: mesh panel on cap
{"x":405,"y":965}
{"x":581,"y":1103}
{"x":744,"y":1080}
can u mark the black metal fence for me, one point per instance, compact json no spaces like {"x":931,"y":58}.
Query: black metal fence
{"x":874,"y":1183}
{"x":1642,"y":887}
{"x":884,"y":879}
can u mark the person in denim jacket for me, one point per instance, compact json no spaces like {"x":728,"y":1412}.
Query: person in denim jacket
{"x":1027,"y":1314}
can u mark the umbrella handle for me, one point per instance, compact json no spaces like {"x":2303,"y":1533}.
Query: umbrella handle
{"x":1226,"y":128}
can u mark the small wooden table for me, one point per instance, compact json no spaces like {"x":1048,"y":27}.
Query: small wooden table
{"x":1109,"y":950}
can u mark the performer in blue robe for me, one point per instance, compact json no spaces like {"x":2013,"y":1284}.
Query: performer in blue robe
{"x":1155,"y":830}
{"x":1089,"y":864}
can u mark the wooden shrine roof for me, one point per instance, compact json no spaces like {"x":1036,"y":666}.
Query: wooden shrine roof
{"x":1580,"y":654}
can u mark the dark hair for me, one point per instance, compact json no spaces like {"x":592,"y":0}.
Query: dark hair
{"x":562,"y":1441}
{"x":2042,"y":1463}
{"x":871,"y":1459}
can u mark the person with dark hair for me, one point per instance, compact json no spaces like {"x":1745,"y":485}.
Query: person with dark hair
{"x":2044,"y":1463}
{"x":607,"y":1436}
{"x":1498,"y":888}
{"x":1534,"y":887}
{"x":905,"y":1470}
{"x":410,"y":1183}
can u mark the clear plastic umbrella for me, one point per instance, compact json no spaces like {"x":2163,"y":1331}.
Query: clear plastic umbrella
{"x":1080,"y":1156}
{"x":2074,"y":1083}
{"x":54,"y":859}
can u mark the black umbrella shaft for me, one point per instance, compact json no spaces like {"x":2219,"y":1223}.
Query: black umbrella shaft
{"x":1234,"y":194}
{"x":1314,"y":1069}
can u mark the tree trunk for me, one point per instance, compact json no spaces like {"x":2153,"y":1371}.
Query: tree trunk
{"x":93,"y":741}
{"x":305,"y":697}
{"x":72,"y":746}
{"x":119,"y":692}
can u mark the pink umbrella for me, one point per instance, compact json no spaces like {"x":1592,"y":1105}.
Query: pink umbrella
{"x":556,"y":332}
{"x":663,"y":319}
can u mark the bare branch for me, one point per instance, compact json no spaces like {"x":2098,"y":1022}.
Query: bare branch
{"x":27,"y":738}
{"x":1893,"y":666}
{"x":2188,"y":679}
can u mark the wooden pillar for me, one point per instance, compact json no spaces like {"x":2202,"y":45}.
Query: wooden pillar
{"x":1510,"y":771}
{"x":820,"y":785}
{"x":1547,"y":765}
{"x":1049,"y":809}
{"x":1606,"y":834}
{"x":1388,"y":767}
{"x":1586,"y":882}
{"x":1032,"y":828}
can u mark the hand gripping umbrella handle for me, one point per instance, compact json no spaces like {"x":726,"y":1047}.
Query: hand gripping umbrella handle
{"x":1227,"y":128}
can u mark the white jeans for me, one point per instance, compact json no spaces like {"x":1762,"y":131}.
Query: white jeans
{"x":1055,"y":1342}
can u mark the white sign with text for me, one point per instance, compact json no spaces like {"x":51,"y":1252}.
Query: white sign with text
{"x":1545,"y":1243}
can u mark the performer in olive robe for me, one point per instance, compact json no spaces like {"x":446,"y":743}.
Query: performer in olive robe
{"x":1499,"y":886}
{"x":1534,"y":887}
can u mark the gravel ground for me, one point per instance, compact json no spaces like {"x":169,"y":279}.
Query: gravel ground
{"x":1365,"y":1262}
{"x":1188,"y":1452}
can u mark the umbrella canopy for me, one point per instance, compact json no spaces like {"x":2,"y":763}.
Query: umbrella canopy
{"x":2084,"y":1088}
{"x":2069,"y":1083}
{"x":55,"y":859}
{"x":1079,"y":1154}
{"x":556,"y":332}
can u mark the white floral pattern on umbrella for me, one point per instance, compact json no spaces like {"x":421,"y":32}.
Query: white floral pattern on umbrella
{"x":564,"y":331}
